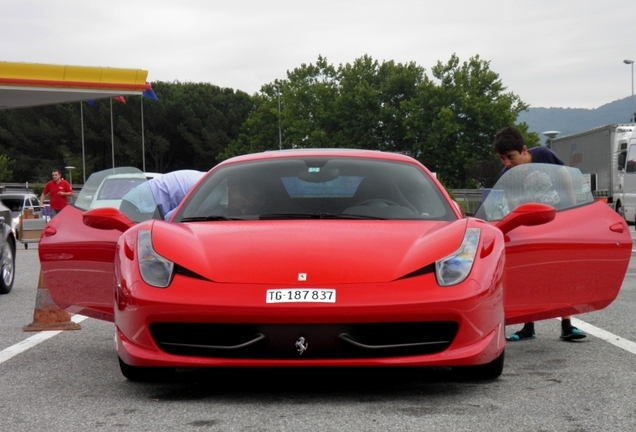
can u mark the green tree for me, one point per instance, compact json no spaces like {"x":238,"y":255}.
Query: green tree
{"x":358,"y":105}
{"x":5,"y":168}
{"x":454,"y":122}
{"x":371,"y":108}
{"x":447,"y":122}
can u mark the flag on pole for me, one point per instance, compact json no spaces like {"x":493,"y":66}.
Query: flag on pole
{"x":120,"y":99}
{"x":149,"y":94}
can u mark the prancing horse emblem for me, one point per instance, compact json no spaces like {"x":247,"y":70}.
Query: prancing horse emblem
{"x":301,"y":345}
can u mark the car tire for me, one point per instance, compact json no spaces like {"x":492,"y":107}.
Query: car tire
{"x":7,"y":266}
{"x":488,"y":371}
{"x":145,"y":374}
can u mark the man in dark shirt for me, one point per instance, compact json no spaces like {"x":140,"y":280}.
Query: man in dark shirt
{"x":514,"y":156}
{"x":512,"y":151}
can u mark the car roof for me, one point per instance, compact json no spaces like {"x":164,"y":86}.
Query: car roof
{"x":321,"y":152}
{"x":17,"y":195}
{"x":375,"y":154}
{"x":125,"y":176}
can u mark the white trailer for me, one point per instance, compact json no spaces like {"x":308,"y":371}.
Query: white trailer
{"x":629,"y":182}
{"x":600,"y":154}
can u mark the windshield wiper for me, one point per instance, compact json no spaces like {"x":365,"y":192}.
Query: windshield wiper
{"x":348,"y":216}
{"x":282,"y":216}
{"x":208,"y":218}
{"x":286,"y":216}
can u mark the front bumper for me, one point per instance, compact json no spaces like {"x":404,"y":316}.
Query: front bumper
{"x":402,"y":323}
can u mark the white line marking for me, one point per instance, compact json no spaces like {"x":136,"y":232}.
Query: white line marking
{"x":615,"y":340}
{"x":26,"y":344}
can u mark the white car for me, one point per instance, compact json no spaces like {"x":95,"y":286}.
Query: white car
{"x":106,"y":188}
{"x":17,"y":203}
{"x":114,"y":187}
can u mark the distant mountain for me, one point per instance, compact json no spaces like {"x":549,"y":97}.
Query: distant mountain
{"x":572,"y":120}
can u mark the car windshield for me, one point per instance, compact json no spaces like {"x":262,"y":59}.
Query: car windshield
{"x":559,"y":186}
{"x":317,"y":187}
{"x":115,"y":188}
{"x":106,"y":188}
{"x":13,"y":204}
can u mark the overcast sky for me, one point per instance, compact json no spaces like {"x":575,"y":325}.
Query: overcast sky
{"x":565,"y":53}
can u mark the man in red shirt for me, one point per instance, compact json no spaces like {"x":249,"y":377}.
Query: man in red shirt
{"x":59,"y":190}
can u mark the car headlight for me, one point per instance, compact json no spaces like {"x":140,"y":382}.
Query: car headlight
{"x":456,"y":267}
{"x":155,"y":269}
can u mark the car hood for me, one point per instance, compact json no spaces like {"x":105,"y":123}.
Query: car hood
{"x":327,"y":252}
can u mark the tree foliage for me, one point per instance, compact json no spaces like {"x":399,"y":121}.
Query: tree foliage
{"x":447,"y":121}
{"x":5,"y":168}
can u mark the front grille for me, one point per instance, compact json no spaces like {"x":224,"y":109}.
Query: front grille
{"x":322,"y":341}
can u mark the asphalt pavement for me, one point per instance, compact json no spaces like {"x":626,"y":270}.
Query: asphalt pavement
{"x":71,"y":381}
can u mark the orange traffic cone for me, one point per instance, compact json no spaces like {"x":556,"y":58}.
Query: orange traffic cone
{"x":47,"y":315}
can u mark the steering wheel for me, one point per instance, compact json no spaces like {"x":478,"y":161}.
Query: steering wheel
{"x":377,"y":202}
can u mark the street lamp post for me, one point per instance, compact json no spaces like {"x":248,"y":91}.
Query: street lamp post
{"x":70,"y":174}
{"x":631,"y":62}
{"x":550,"y":135}
{"x":280,"y":134}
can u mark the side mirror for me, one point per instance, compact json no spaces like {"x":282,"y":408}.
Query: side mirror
{"x":107,"y":218}
{"x":529,"y":214}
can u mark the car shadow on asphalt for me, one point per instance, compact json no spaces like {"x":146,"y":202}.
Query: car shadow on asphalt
{"x":307,"y":383}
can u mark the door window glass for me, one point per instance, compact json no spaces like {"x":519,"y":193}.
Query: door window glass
{"x":630,"y":165}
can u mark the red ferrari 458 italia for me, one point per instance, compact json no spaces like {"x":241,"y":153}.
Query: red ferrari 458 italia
{"x":331,"y":257}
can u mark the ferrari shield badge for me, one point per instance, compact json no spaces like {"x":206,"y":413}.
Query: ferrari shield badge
{"x":301,"y":345}
{"x":302,"y":277}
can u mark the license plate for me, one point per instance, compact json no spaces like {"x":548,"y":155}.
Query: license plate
{"x":315,"y":295}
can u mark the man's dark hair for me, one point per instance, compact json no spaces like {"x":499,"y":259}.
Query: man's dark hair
{"x":57,"y":171}
{"x":508,"y":139}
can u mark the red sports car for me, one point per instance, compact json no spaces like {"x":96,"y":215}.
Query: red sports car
{"x":344,"y":258}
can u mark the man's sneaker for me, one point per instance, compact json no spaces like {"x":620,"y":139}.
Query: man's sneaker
{"x":572,"y":334}
{"x":520,"y":336}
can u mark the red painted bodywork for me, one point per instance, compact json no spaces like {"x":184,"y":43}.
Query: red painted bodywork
{"x":573,"y":264}
{"x":78,"y":264}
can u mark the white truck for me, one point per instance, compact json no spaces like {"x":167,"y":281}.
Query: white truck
{"x":629,"y":182}
{"x":601,"y":155}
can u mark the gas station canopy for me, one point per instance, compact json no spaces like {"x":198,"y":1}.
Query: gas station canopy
{"x":30,"y":84}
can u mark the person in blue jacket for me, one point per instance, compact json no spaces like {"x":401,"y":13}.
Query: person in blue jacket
{"x":171,"y":188}
{"x":164,"y":193}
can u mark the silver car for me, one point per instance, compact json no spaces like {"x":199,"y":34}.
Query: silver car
{"x":7,"y":251}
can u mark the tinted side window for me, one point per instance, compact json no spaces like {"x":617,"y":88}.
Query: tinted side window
{"x":35,"y":204}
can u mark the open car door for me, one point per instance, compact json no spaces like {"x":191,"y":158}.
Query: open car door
{"x":77,"y":260}
{"x":576,"y":263}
